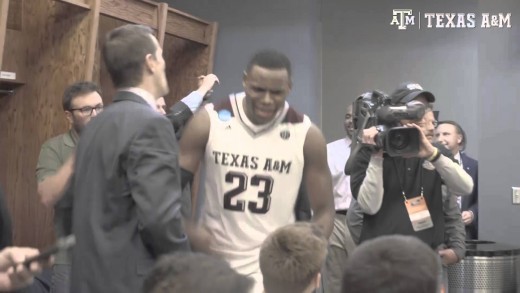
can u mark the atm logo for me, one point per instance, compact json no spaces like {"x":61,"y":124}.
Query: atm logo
{"x":405,"y":18}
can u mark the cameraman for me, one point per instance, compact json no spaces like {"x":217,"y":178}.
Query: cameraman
{"x":381,"y":183}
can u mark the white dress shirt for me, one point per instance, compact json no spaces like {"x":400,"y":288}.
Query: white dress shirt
{"x":146,"y":95}
{"x":337,"y":155}
{"x":457,"y":157}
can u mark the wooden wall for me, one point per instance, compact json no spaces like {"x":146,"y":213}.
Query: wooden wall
{"x":51,"y":44}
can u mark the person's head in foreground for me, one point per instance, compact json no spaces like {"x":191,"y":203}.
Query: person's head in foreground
{"x":184,"y":272}
{"x":291,"y":258}
{"x":394,"y":263}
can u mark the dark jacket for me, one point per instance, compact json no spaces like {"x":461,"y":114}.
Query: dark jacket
{"x":470,"y":202}
{"x":400,"y":174}
{"x":126,"y":197}
{"x":6,"y":230}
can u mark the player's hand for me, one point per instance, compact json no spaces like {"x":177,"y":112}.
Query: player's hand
{"x":467,"y":217}
{"x":448,"y":256}
{"x":200,"y":238}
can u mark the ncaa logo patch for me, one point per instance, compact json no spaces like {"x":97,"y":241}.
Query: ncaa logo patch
{"x":285,"y":134}
{"x":224,"y":115}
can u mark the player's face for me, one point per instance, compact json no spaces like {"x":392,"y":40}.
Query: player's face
{"x":266,"y":90}
{"x":448,"y":136}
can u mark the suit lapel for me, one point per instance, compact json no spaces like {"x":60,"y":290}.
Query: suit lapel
{"x":468,"y":167}
{"x":467,"y":164}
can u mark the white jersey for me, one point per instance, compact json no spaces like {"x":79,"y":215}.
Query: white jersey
{"x":252,"y":178}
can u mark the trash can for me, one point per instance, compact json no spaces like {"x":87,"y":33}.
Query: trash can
{"x":487,"y":267}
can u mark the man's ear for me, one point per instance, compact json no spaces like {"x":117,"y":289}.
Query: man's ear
{"x":68,"y":116}
{"x":459,"y":139}
{"x":150,"y":62}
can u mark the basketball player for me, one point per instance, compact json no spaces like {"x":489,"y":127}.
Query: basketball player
{"x":256,"y":151}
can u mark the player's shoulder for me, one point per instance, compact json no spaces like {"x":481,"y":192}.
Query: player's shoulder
{"x":314,"y":139}
{"x":222,"y":109}
{"x":221,"y":104}
{"x":292,"y":116}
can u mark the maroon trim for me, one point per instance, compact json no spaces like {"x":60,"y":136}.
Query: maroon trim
{"x":224,"y":105}
{"x":292,"y":117}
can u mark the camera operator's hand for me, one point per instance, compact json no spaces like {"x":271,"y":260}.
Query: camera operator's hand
{"x":368,"y":137}
{"x":426,"y":149}
{"x":448,"y":256}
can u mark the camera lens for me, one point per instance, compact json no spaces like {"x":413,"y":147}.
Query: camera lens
{"x":399,"y":140}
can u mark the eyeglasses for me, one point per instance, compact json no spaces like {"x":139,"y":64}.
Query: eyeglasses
{"x":87,"y":111}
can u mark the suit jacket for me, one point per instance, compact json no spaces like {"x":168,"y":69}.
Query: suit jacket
{"x":470,"y":202}
{"x":126,"y":197}
{"x":179,"y":115}
{"x":6,"y":231}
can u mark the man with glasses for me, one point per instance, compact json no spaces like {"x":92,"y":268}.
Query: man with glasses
{"x":81,"y":102}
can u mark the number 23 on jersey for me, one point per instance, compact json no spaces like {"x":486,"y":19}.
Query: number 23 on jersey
{"x":264,"y":195}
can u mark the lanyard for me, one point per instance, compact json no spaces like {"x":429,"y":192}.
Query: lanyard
{"x":401,"y":182}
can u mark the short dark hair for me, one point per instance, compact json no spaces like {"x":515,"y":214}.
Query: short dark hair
{"x":291,"y":257}
{"x":460,"y":131}
{"x":124,"y":52}
{"x":270,"y":59}
{"x":182,"y":272}
{"x":76,"y":90}
{"x":392,"y":264}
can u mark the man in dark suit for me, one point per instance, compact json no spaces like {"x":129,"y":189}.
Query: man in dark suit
{"x":125,"y":193}
{"x":451,"y":134}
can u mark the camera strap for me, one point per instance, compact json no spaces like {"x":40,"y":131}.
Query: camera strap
{"x":416,"y":207}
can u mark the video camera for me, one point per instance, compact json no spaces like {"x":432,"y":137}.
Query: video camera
{"x":375,"y":109}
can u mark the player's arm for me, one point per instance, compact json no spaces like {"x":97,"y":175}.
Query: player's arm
{"x":317,"y":178}
{"x":192,"y":148}
{"x":52,"y":179}
{"x":193,"y":145}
